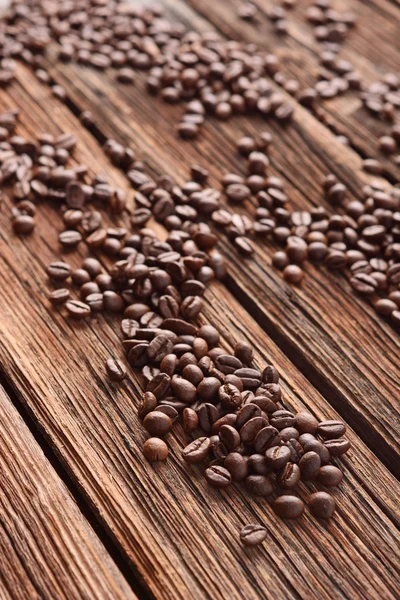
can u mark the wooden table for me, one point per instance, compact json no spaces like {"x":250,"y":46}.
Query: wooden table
{"x":82,"y":514}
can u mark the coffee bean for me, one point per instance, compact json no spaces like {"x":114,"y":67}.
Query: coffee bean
{"x":58,"y":271}
{"x":70,"y":238}
{"x":288,"y":507}
{"x":264,"y":438}
{"x":282,"y":418}
{"x":148,"y":403}
{"x":337,"y":447}
{"x":289,"y":476}
{"x":230,"y":396}
{"x":183,"y":389}
{"x":306,"y":423}
{"x":23,"y":224}
{"x":59,"y":296}
{"x":253,"y":535}
{"x":159,"y":347}
{"x":208,"y":415}
{"x":155,"y":450}
{"x":116,"y":370}
{"x":228,"y":419}
{"x":77,"y":309}
{"x":160,"y":384}
{"x":244,"y":352}
{"x":237,"y":466}
{"x":251,"y":428}
{"x":277,"y":457}
{"x":218,"y":477}
{"x":190,"y":420}
{"x":316,"y":446}
{"x":331,"y":429}
{"x":322,"y":505}
{"x":330,"y":475}
{"x":293,"y":274}
{"x":259,"y":485}
{"x":208,"y":388}
{"x":247,"y":412}
{"x":229,"y":437}
{"x":157,"y":423}
{"x":309,"y":464}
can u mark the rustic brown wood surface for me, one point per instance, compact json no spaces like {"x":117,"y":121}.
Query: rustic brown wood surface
{"x":175,"y":533}
{"x":47,"y":548}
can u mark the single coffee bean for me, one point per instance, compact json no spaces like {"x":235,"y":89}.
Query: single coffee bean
{"x":264,"y":438}
{"x":289,"y":476}
{"x":259,"y":485}
{"x":218,"y":477}
{"x":228,"y":419}
{"x":316,"y":446}
{"x":293,"y":274}
{"x":230,"y":437}
{"x":230,"y":396}
{"x":59,"y":296}
{"x":288,"y":507}
{"x":281,"y":419}
{"x":247,"y":412}
{"x":58,"y":271}
{"x":157,"y":423}
{"x":251,"y":428}
{"x":277,"y":457}
{"x":331,"y":429}
{"x":244,"y":352}
{"x":159,"y":385}
{"x":322,"y":505}
{"x":330,"y":475}
{"x":237,"y":466}
{"x":155,"y":449}
{"x":159,"y":347}
{"x":168,"y":410}
{"x":116,"y":369}
{"x":77,"y":309}
{"x":190,"y":420}
{"x":23,"y":224}
{"x":197,"y":450}
{"x":70,"y":238}
{"x":183,"y":389}
{"x":337,"y":447}
{"x":257,"y":464}
{"x":208,"y":388}
{"x":253,"y":535}
{"x":147,"y":404}
{"x":309,"y":464}
{"x":208,"y":415}
{"x":193,"y":373}
{"x":306,"y":423}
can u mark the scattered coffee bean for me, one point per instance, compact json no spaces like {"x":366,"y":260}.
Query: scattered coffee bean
{"x":155,"y":450}
{"x":322,"y":505}
{"x":253,"y":535}
{"x":116,"y":370}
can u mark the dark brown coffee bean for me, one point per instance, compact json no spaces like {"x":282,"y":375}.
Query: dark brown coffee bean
{"x":259,"y":485}
{"x":147,"y":404}
{"x":311,"y":444}
{"x":293,"y":274}
{"x":159,"y":385}
{"x":77,"y":310}
{"x":230,"y":437}
{"x":288,"y":507}
{"x":58,"y":271}
{"x":337,"y":447}
{"x":289,"y":476}
{"x":218,"y":477}
{"x":322,"y":505}
{"x":331,"y":429}
{"x":309,"y":465}
{"x":253,"y":535}
{"x":157,"y":423}
{"x":281,"y":419}
{"x":70,"y":238}
{"x":247,"y":412}
{"x":208,"y":415}
{"x":230,"y":396}
{"x":208,"y":388}
{"x":277,"y":457}
{"x":236,"y":464}
{"x":228,"y":419}
{"x":306,"y":422}
{"x":244,"y":352}
{"x":329,"y":475}
{"x":155,"y":450}
{"x":183,"y":389}
{"x":197,"y":450}
{"x":59,"y":296}
{"x":251,"y":428}
{"x":116,"y":370}
{"x":190,"y":420}
{"x":137,"y":356}
{"x":264,"y":438}
{"x":23,"y":224}
{"x":159,"y":347}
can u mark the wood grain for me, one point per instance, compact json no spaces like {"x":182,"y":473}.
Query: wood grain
{"x":331,"y":334}
{"x":181,"y":536}
{"x":373,"y":48}
{"x":47,"y":548}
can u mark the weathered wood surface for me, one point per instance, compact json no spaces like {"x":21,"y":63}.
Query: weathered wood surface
{"x":47,"y":547}
{"x":373,"y":48}
{"x":180,"y":535}
{"x":333,"y":335}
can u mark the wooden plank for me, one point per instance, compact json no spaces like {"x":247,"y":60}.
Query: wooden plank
{"x":336,"y":351}
{"x":47,"y":547}
{"x":181,"y":535}
{"x":373,"y":48}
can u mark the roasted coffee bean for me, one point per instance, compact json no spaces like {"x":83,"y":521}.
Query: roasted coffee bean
{"x":147,"y":404}
{"x":289,"y":476}
{"x":168,"y":410}
{"x":293,"y":274}
{"x":277,"y":457}
{"x":322,"y":505}
{"x":237,"y":466}
{"x":23,"y":224}
{"x":230,"y":396}
{"x":230,"y":437}
{"x":244,"y":352}
{"x":197,"y":450}
{"x":160,"y":384}
{"x":316,"y":446}
{"x":252,"y":534}
{"x":155,"y":450}
{"x":218,"y":477}
{"x":306,"y":422}
{"x":208,"y":415}
{"x":281,"y":419}
{"x":228,"y":419}
{"x":227,"y":364}
{"x":251,"y":378}
{"x":309,"y":464}
{"x":331,"y":429}
{"x":257,"y":464}
{"x":77,"y":309}
{"x":95,"y":301}
{"x":159,"y":347}
{"x":116,"y":370}
{"x":58,"y":271}
{"x":247,"y":412}
{"x":330,"y":475}
{"x":157,"y":423}
{"x":59,"y":296}
{"x":264,"y":438}
{"x":251,"y":428}
{"x":70,"y":238}
{"x":296,"y":449}
{"x":337,"y":447}
{"x":288,"y":507}
{"x":190,"y":420}
{"x":259,"y":485}
{"x":288,"y":433}
{"x":208,"y":388}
